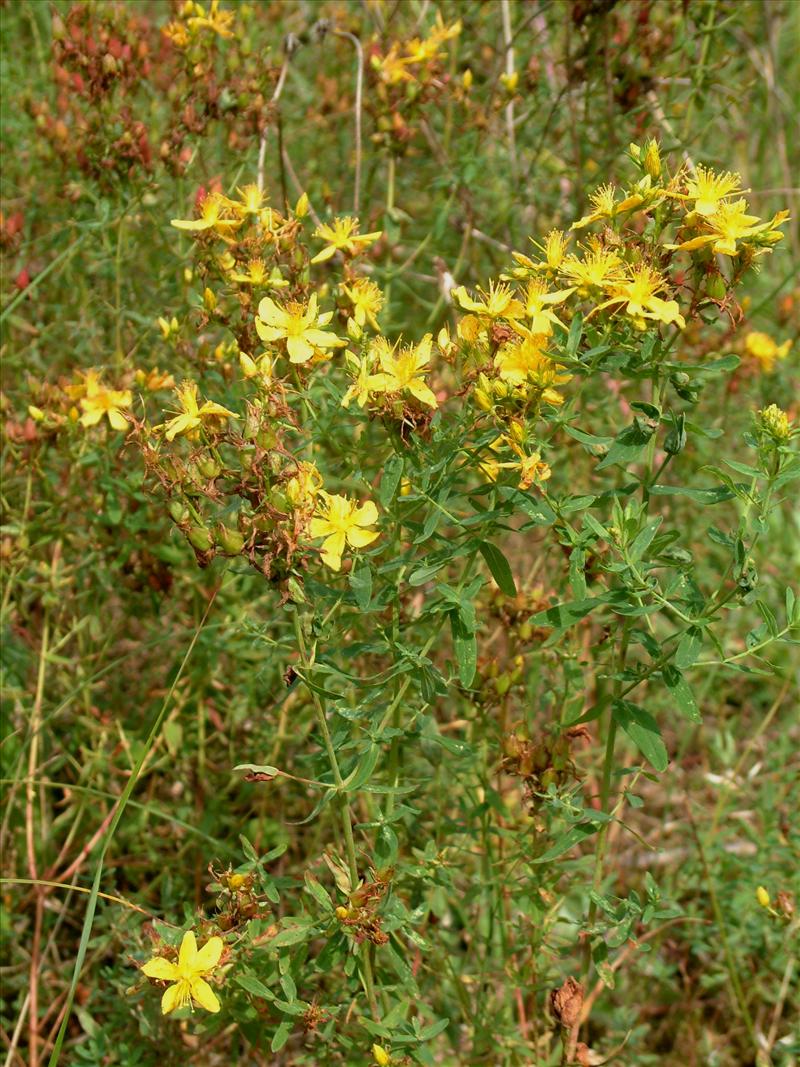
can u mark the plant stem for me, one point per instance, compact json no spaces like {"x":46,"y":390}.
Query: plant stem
{"x":307,"y":662}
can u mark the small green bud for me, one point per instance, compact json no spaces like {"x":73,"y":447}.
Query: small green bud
{"x":200,"y":538}
{"x":230,"y":541}
{"x":208,"y":467}
{"x":178,"y":511}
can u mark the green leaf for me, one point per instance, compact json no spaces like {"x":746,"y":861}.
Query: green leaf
{"x":499,"y":568}
{"x":689,"y":648}
{"x":255,"y":986}
{"x":642,"y":729}
{"x":465,"y":647}
{"x":626,"y":447}
{"x":281,"y":1036}
{"x":318,"y":893}
{"x":390,"y":479}
{"x":360,"y":579}
{"x":713,"y":495}
{"x":569,"y":840}
{"x":290,"y":935}
{"x":682,"y":693}
{"x":643,"y":539}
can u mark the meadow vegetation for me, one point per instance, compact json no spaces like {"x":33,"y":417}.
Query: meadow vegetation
{"x":400,"y":549}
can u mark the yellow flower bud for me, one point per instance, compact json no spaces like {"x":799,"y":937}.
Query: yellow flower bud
{"x":341,"y":912}
{"x":775,"y":422}
{"x":354,"y":331}
{"x":236,"y":881}
{"x":482,"y":399}
{"x":209,"y":300}
{"x":652,"y":160}
{"x":247,"y":365}
{"x":762,"y":896}
{"x":510,"y":82}
{"x":301,"y":207}
{"x":35,"y":413}
{"x":381,"y":1056}
{"x":466,"y":79}
{"x":188,"y":274}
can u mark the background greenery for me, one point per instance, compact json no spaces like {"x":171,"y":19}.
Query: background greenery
{"x":101,"y":601}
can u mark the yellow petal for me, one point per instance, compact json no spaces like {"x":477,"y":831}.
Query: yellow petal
{"x":360,"y":538}
{"x":209,"y":954}
{"x":91,"y":418}
{"x":158,"y":967}
{"x":300,"y":351}
{"x":171,"y":999}
{"x":117,"y":419}
{"x":203,"y":994}
{"x":367,"y":514}
{"x":326,"y":253}
{"x":421,"y":391}
{"x":332,"y":551}
{"x":188,"y":951}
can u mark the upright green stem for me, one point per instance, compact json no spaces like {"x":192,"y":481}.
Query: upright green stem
{"x":307,"y":662}
{"x":617,"y":664}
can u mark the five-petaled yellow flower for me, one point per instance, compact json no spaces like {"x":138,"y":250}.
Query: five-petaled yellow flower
{"x":765,"y":350}
{"x":212,"y":217}
{"x":731,"y":223}
{"x":214,"y":19}
{"x":99,"y":401}
{"x":193,"y":414}
{"x":498,"y":302}
{"x":709,"y":190}
{"x":402,"y":369}
{"x":341,"y":522}
{"x":299,"y":325}
{"x":188,"y":974}
{"x":343,"y":236}
{"x":638,"y":292}
{"x":367,"y":300}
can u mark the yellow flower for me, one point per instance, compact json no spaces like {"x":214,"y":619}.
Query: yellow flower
{"x":499,"y":302}
{"x":187,"y":975}
{"x":537,"y":302}
{"x":603,"y":201}
{"x":250,"y":202}
{"x":762,"y":896}
{"x":341,"y":522}
{"x":367,"y":300}
{"x":154,"y":379}
{"x":303,"y":487}
{"x":361,"y":370}
{"x":638,"y":293}
{"x":300,"y":326}
{"x":99,"y":401}
{"x":762,"y":348}
{"x":211,"y":217}
{"x":731,"y":223}
{"x":216,"y":20}
{"x":402,"y":369}
{"x":530,"y":467}
{"x":392,"y":68}
{"x":523,"y":363}
{"x":256,"y":273}
{"x":192,"y":415}
{"x":554,"y":249}
{"x":597,"y":270}
{"x":775,"y":422}
{"x":343,"y":236}
{"x":710,"y":190}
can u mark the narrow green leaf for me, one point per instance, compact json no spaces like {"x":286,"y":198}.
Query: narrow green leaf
{"x":681,"y":692}
{"x":569,"y":840}
{"x":499,"y":568}
{"x":642,"y":729}
{"x":255,"y":986}
{"x":390,"y":479}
